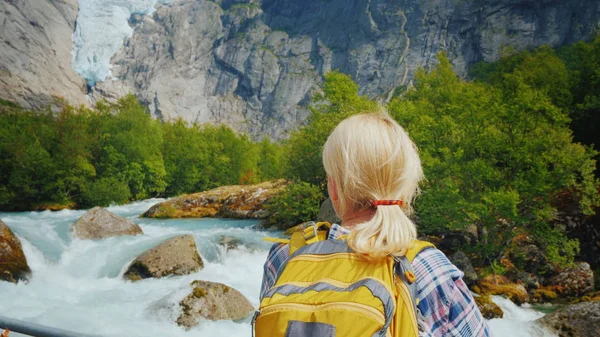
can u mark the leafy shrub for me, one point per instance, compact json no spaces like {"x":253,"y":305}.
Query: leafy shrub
{"x":106,"y":191}
{"x":299,"y":202}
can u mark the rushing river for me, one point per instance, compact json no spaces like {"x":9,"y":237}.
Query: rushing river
{"x":77,"y":284}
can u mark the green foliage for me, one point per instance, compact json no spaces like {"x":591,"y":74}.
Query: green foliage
{"x":559,"y":248}
{"x":340,"y":100}
{"x":497,"y":268}
{"x":299,"y":202}
{"x":128,"y":147}
{"x":495,"y":155}
{"x":116,"y":153}
{"x":583,"y":62}
{"x":8,"y":104}
{"x":270,"y":159}
{"x":570,"y":77}
{"x":106,"y":191}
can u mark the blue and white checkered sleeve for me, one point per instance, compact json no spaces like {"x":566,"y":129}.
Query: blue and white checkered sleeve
{"x":277,"y":256}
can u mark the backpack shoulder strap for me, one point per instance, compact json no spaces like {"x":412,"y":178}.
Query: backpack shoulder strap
{"x":309,"y":232}
{"x":405,"y":271}
{"x":417,"y":247}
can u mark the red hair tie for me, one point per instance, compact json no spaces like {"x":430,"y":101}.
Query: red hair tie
{"x":376,"y":203}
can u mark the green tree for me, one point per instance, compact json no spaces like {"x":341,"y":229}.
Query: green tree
{"x":186,"y":157}
{"x":299,"y":202}
{"x":270,"y":159}
{"x":128,"y":146}
{"x":340,"y":99}
{"x":494,"y":156}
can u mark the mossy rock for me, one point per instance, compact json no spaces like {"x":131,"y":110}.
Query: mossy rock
{"x":175,"y":256}
{"x":543,"y":295}
{"x":488,"y":309}
{"x":515,"y":292}
{"x":212,"y":301}
{"x":235,"y":201}
{"x":13,"y":264}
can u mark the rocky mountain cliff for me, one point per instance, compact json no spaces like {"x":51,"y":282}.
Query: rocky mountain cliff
{"x":255,"y":64}
{"x":35,"y":52}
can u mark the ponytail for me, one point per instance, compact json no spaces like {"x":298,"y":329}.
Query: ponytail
{"x":370,"y":157}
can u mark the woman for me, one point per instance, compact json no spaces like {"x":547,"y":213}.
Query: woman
{"x":373,"y":174}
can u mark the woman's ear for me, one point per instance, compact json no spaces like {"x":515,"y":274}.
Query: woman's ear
{"x":332,"y":189}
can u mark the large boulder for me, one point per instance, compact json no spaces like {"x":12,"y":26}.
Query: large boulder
{"x":99,"y":223}
{"x":574,"y":281}
{"x":462,"y":262}
{"x":524,"y":254}
{"x":213,"y":301}
{"x":577,"y":320}
{"x":237,"y":201}
{"x":175,"y":256}
{"x":327,"y":212}
{"x":13,"y":264}
{"x":455,"y":240}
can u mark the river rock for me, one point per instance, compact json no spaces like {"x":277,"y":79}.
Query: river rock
{"x":576,"y":320}
{"x":574,"y":281}
{"x":238,"y":201}
{"x":99,"y":223}
{"x":462,"y":262}
{"x":229,"y":242}
{"x":13,"y":264}
{"x":524,"y":254}
{"x":488,"y":308}
{"x":327,"y":212}
{"x":213,"y":301}
{"x":175,"y":256}
{"x":500,"y":285}
{"x":453,"y":241}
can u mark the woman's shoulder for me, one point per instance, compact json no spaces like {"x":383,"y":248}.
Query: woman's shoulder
{"x":434,"y":270}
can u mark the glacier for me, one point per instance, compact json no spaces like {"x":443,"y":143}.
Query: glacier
{"x":101,"y":28}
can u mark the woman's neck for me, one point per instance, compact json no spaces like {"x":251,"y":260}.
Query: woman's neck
{"x":353,"y":218}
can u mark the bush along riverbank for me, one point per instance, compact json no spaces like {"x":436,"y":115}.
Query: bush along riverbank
{"x":115,"y":153}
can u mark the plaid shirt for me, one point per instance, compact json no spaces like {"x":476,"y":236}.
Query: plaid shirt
{"x":446,"y":305}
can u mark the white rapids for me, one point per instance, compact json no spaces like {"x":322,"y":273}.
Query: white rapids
{"x":77,"y":285}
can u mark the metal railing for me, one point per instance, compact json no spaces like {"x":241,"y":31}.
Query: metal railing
{"x":36,"y":330}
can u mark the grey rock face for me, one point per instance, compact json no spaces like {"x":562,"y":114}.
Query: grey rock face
{"x":575,"y":281}
{"x":13,"y":263}
{"x":327,"y":213}
{"x":175,"y":256}
{"x":213,"y":301}
{"x":255,"y":64}
{"x":462,"y":262}
{"x":577,"y":320}
{"x":99,"y":223}
{"x":35,"y":53}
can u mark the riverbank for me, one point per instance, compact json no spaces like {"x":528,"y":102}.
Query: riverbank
{"x":78,"y":284}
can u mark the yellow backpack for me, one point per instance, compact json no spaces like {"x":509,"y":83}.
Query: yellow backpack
{"x":325,"y":289}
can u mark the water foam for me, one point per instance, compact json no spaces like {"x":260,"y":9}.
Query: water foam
{"x":77,"y":284}
{"x":517,"y":321}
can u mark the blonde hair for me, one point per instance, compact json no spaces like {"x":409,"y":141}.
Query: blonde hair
{"x":370,"y":157}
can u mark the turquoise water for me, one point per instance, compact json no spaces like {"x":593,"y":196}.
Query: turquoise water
{"x":77,"y":284}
